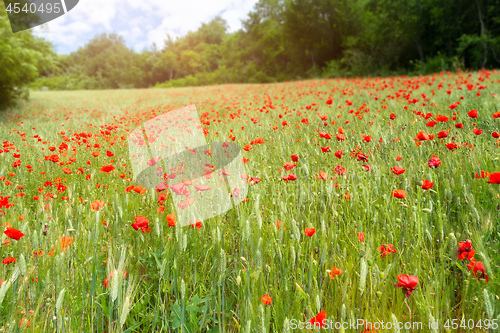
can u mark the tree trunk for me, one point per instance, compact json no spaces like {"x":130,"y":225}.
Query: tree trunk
{"x":420,"y":51}
{"x":485,"y":46}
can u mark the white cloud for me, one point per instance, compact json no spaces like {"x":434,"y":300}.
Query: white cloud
{"x":141,"y":23}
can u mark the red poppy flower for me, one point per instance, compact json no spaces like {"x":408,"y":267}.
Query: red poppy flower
{"x":434,"y":162}
{"x":66,"y":170}
{"x":171,"y":220}
{"x":318,"y":320}
{"x":310,"y":231}
{"x":484,"y":174}
{"x":324,"y":135}
{"x":24,"y":320}
{"x":186,"y":203}
{"x":140,"y":222}
{"x":107,"y":168}
{"x":139,"y":189}
{"x":4,"y":202}
{"x":247,"y":147}
{"x":465,"y":250}
{"x":400,"y":194}
{"x":477,"y":131}
{"x":291,"y":176}
{"x":361,"y":236}
{"x":496,"y":115}
{"x":8,"y":260}
{"x":105,"y":282}
{"x":325,"y":149}
{"x":236,"y":192}
{"x":265,"y":299}
{"x":367,"y":167}
{"x":13,"y":233}
{"x":322,"y":175}
{"x":422,"y":136}
{"x":96,"y":205}
{"x":427,"y":184}
{"x":471,"y":264}
{"x":198,"y":224}
{"x":459,"y":125}
{"x":153,"y":161}
{"x":442,"y":134}
{"x":408,"y":282}
{"x":289,"y":166}
{"x":451,"y":146}
{"x":339,"y":153}
{"x":295,"y":158}
{"x":392,"y":116}
{"x":472,"y":113}
{"x":386,"y":249}
{"x":479,"y":267}
{"x":255,"y":180}
{"x":333,"y":272}
{"x":65,"y":242}
{"x":362,"y":157}
{"x":441,"y":118}
{"x":496,"y":135}
{"x":397,"y":170}
{"x":199,"y":187}
{"x":339,"y":170}
{"x":494,"y":178}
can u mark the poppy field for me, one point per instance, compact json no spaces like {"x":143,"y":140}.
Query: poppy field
{"x":369,"y":200}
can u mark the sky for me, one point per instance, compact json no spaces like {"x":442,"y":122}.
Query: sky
{"x":140,"y":22}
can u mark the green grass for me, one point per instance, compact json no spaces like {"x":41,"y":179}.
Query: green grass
{"x":212,"y":279}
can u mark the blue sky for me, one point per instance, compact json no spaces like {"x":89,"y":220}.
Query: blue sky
{"x":140,"y":22}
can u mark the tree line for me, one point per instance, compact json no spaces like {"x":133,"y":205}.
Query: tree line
{"x":294,"y":39}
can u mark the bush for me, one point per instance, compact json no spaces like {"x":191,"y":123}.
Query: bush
{"x":438,"y":63}
{"x":62,"y":82}
{"x":333,"y":69}
{"x":187,"y":81}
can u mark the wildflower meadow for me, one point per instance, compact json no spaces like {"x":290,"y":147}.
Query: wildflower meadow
{"x":373,"y":201}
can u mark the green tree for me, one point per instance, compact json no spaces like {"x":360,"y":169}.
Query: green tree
{"x":108,"y":61}
{"x":264,"y":46}
{"x":22,"y":58}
